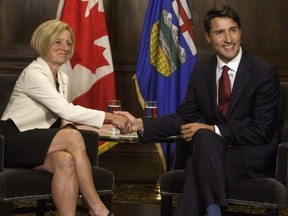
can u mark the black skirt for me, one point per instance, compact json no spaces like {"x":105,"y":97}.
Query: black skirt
{"x":26,"y":149}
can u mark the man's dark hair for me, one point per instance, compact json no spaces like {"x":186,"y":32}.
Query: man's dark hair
{"x":220,"y":11}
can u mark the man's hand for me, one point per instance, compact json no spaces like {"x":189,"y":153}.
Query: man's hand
{"x":119,"y":121}
{"x":188,"y":130}
{"x":136,"y":124}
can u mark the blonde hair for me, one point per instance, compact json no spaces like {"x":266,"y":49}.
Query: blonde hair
{"x":47,"y":33}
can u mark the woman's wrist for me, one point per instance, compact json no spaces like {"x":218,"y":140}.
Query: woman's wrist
{"x":108,"y":117}
{"x":139,"y":125}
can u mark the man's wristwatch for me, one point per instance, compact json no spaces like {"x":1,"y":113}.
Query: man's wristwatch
{"x":140,"y":134}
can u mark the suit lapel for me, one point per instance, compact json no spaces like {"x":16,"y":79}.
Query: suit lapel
{"x":241,"y":79}
{"x":211,"y":81}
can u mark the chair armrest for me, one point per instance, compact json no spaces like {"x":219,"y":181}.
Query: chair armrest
{"x":281,"y":164}
{"x":91,"y":139}
{"x":1,"y":153}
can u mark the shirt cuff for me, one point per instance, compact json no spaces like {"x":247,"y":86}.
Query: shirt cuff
{"x":217,"y":131}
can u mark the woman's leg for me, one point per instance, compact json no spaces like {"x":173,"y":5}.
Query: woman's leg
{"x":71,"y":141}
{"x":64,"y":186}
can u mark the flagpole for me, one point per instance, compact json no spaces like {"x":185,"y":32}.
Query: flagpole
{"x":60,"y":8}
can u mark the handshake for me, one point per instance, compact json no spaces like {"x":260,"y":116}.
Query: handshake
{"x":127,"y":123}
{"x":124,"y":121}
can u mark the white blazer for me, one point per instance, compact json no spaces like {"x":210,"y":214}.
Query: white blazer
{"x":36,"y":103}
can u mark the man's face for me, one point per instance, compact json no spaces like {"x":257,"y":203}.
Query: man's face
{"x":225,"y":38}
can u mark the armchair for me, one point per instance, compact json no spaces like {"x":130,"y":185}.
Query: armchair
{"x":20,"y":184}
{"x":269,"y":193}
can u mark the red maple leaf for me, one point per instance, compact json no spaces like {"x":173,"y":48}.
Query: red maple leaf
{"x":87,"y":30}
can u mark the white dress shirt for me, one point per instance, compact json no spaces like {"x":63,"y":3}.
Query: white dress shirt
{"x":233,"y":66}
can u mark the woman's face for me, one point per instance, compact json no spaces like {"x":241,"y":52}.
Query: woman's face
{"x":59,"y":52}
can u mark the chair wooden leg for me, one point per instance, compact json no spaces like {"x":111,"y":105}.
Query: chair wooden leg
{"x":41,"y":206}
{"x":166,"y":206}
{"x":6,"y":208}
{"x":272,"y":212}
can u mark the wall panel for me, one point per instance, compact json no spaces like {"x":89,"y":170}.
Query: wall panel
{"x":264,"y":32}
{"x":18,"y":19}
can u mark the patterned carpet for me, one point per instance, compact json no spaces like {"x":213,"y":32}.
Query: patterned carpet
{"x":149,"y":193}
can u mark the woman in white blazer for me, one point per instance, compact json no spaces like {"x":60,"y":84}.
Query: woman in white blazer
{"x":37,"y":106}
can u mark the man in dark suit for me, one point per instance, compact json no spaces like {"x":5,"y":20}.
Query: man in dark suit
{"x":231,"y":143}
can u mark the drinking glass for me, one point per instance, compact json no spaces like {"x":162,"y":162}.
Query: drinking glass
{"x":151,"y":109}
{"x":114,"y":105}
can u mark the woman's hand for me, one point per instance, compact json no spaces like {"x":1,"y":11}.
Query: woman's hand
{"x":136,"y":124}
{"x":119,"y":121}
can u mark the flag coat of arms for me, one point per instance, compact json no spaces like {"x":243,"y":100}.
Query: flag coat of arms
{"x":90,"y":70}
{"x":167,"y":55}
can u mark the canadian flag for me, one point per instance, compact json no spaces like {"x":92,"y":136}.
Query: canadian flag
{"x":90,"y":71}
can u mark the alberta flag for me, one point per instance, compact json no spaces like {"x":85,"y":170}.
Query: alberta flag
{"x":90,"y":71}
{"x":166,"y":57}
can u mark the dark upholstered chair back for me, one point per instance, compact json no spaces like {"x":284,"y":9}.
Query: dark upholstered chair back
{"x":282,"y":166}
{"x":283,"y":106}
{"x":6,"y":85}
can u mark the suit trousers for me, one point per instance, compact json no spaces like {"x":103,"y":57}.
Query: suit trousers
{"x":211,"y":164}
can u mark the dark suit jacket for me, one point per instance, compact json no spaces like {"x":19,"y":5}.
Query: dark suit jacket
{"x":251,"y":119}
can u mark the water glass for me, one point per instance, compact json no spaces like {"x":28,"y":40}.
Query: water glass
{"x":114,"y":105}
{"x":151,"y":109}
